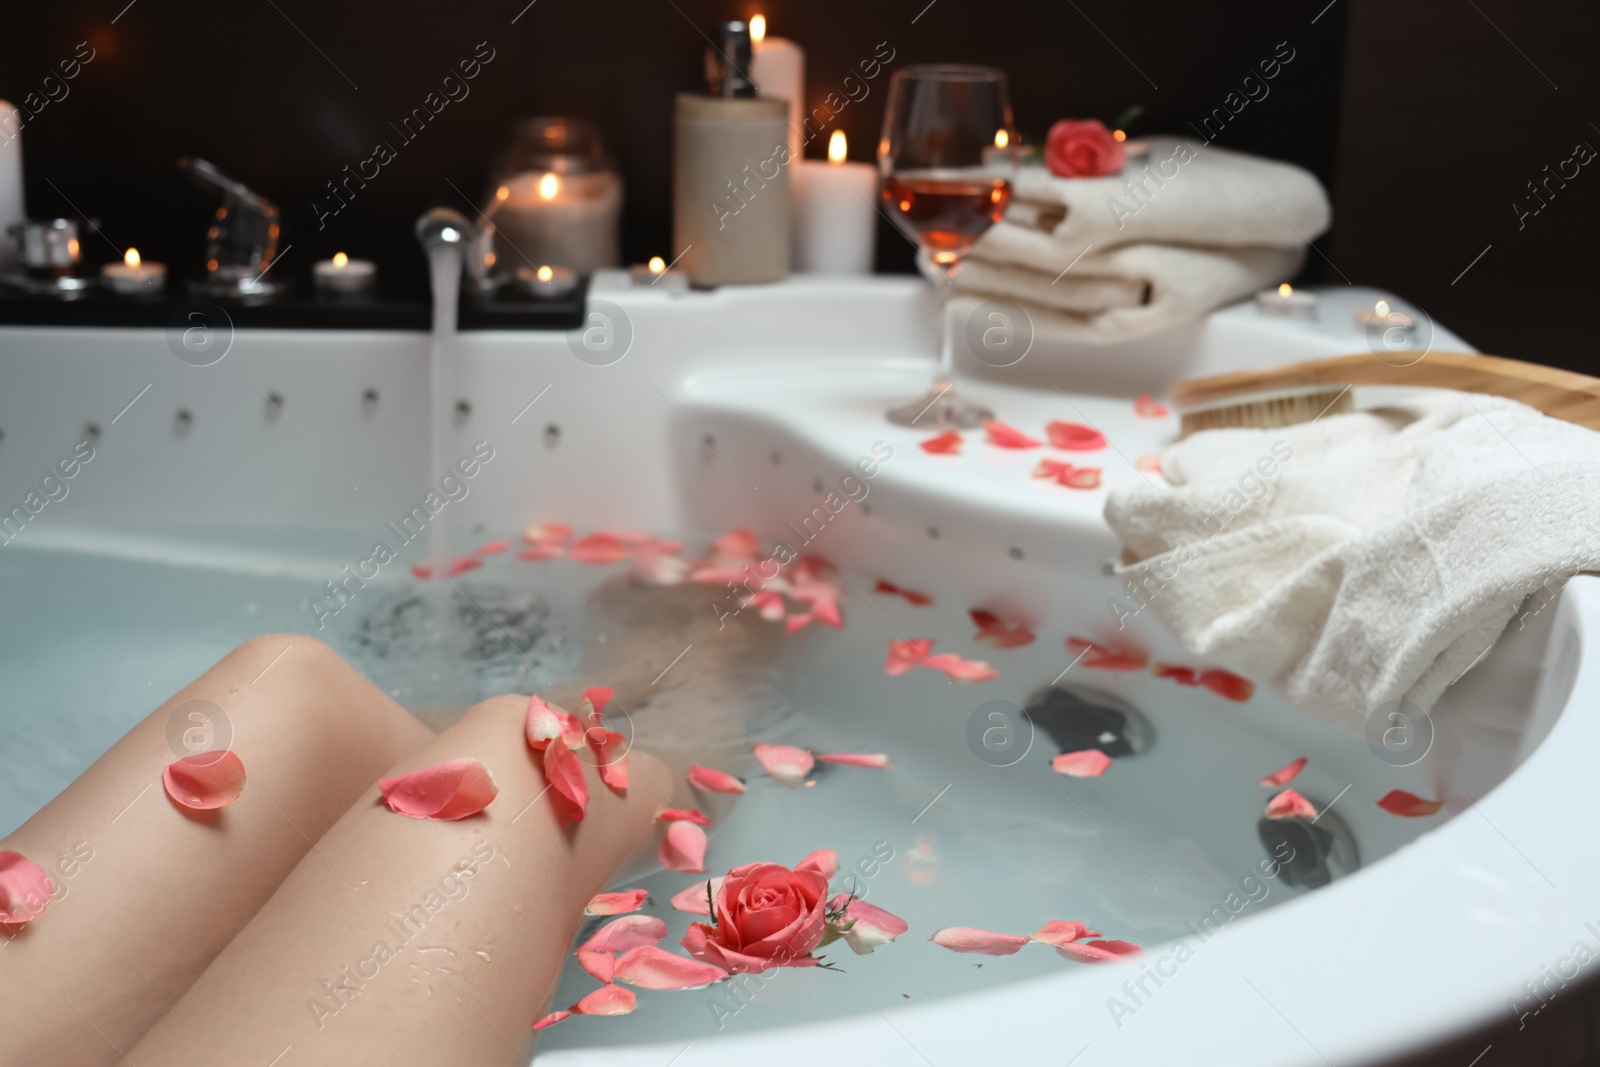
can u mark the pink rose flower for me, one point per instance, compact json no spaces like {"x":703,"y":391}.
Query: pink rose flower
{"x":1082,"y":148}
{"x":766,"y":916}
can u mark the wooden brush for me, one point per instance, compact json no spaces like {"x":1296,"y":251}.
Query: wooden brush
{"x":1301,"y":392}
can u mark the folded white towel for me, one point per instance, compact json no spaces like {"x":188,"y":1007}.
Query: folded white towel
{"x":1184,"y":194}
{"x":1127,"y":292}
{"x":1364,"y":558}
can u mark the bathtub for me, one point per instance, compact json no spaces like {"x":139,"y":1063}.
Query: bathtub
{"x":220,"y":501}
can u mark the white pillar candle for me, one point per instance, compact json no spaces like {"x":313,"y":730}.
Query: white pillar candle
{"x":836,"y":207}
{"x":778,"y":68}
{"x":568,"y":220}
{"x":133,"y":276}
{"x":343,"y":276}
{"x":11,"y":210}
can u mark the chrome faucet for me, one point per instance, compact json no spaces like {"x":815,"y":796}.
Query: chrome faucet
{"x":242,"y":242}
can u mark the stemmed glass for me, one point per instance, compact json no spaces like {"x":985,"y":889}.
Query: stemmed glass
{"x":947,"y":174}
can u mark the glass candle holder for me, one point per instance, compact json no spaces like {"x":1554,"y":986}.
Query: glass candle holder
{"x":557,"y":199}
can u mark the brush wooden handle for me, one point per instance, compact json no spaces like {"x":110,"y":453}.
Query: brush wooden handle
{"x":1561,"y":394}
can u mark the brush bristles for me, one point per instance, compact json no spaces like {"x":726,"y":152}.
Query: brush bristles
{"x":1269,"y":412}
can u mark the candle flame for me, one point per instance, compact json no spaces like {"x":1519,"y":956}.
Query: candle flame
{"x":132,"y":257}
{"x":1382,"y":309}
{"x":758,"y":29}
{"x":1285,"y":290}
{"x":1120,"y":135}
{"x":340,"y":259}
{"x":838,"y":147}
{"x":544,"y":274}
{"x":1001,"y":138}
{"x":549,"y":186}
{"x":657,"y":265}
{"x":502,"y":193}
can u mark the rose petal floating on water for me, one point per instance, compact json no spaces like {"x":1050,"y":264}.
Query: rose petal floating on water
{"x":1062,"y":931}
{"x":461,"y":565}
{"x":653,"y":568}
{"x":617,"y":903}
{"x":1147,"y":407}
{"x":945,"y":444}
{"x":711,"y":780}
{"x":569,"y":789}
{"x":598,"y":548}
{"x":551,"y":1019}
{"x":1408,"y":805}
{"x":1098,"y":657}
{"x":421,"y":570}
{"x":601,"y":966}
{"x":683,"y":848}
{"x":1007,"y":436}
{"x":786,"y":763}
{"x":24,"y":888}
{"x":1227,"y":685}
{"x":493,"y":548}
{"x":866,"y":926}
{"x":736,"y":544}
{"x":822,"y":597}
{"x":1074,"y":436}
{"x":912,"y":597}
{"x":767,"y":603}
{"x":876,"y":761}
{"x":1089,"y":763}
{"x":207,"y":780}
{"x":904,"y":655}
{"x":695,"y":900}
{"x":607,"y":1000}
{"x":1285,"y":775}
{"x":813,"y":569}
{"x":1099,"y":951}
{"x":997,"y":633}
{"x":693,"y":815}
{"x":629,"y":931}
{"x":825,"y":861}
{"x":443,"y":792}
{"x":961,"y":670}
{"x":1181,"y":675}
{"x":656,"y":968}
{"x":796,"y":623}
{"x":1289,"y":804}
{"x":969,"y":939}
{"x":546,"y":532}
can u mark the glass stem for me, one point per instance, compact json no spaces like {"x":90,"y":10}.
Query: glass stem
{"x":944,"y":377}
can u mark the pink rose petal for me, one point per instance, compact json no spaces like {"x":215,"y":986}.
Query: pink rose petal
{"x":544,"y":723}
{"x":601,"y":966}
{"x":1147,"y":407}
{"x":1181,"y":675}
{"x":607,"y":1000}
{"x":655,"y":968}
{"x":695,"y":899}
{"x":944,"y":444}
{"x":1228,"y":685}
{"x":1062,"y":931}
{"x":599,"y":548}
{"x":654,"y":568}
{"x":796,"y":623}
{"x":443,"y":792}
{"x":1408,"y":805}
{"x":912,"y":597}
{"x":1050,"y":468}
{"x":1098,"y":657}
{"x":868,"y":925}
{"x":206,"y":780}
{"x":551,"y":1019}
{"x":768,"y":604}
{"x":1099,"y":951}
{"x":422,"y":571}
{"x":461,"y":565}
{"x":968,"y":939}
{"x":683,"y":848}
{"x":24,"y":888}
{"x":546,"y":532}
{"x":493,"y":548}
{"x":997,"y":633}
{"x":736,"y":545}
{"x":1074,"y":437}
{"x":1285,"y":775}
{"x":825,"y":861}
{"x":616,"y":903}
{"x":904,"y":655}
{"x":1149,"y":462}
{"x":1080,"y":478}
{"x":786,"y":763}
{"x":611,"y":756}
{"x":876,"y":761}
{"x":961,"y":670}
{"x":1289,"y":804}
{"x":710,"y":780}
{"x":1089,"y":763}
{"x":1007,"y":436}
{"x":628,"y":931}
{"x":569,"y":789}
{"x":694,"y":815}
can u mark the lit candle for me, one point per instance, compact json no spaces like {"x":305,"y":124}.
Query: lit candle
{"x":835,"y":213}
{"x":547,"y":282}
{"x":569,"y":219}
{"x":778,"y":69}
{"x":1286,"y":303}
{"x":1382,"y":318}
{"x":133,"y":276}
{"x":657,"y":275}
{"x":343,"y":276}
{"x":1138,"y":153}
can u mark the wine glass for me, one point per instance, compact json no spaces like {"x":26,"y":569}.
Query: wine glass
{"x":946,"y":179}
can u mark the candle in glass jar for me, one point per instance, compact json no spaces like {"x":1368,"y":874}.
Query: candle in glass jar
{"x":133,"y":276}
{"x":568,"y":219}
{"x":835,"y":205}
{"x":778,"y":69}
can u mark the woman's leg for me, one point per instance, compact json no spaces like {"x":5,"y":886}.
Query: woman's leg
{"x":417,"y":942}
{"x":165,"y":888}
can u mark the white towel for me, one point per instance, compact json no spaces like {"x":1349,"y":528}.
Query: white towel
{"x":1362,"y":558}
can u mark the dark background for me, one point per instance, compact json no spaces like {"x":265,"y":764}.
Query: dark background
{"x":1423,"y":119}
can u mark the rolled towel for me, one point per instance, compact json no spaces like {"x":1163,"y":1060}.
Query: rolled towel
{"x":1128,"y":292}
{"x":1365,"y":558}
{"x":1185,"y":194}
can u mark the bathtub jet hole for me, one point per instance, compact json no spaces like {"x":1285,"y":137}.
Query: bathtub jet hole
{"x":866,"y":509}
{"x":933,"y":533}
{"x":777,"y":458}
{"x":183,"y":420}
{"x":91,"y":430}
{"x":463,"y":410}
{"x":369,"y":397}
{"x":274,"y":403}
{"x":552,"y":435}
{"x":1015,"y":551}
{"x":1078,"y":719}
{"x":1317,"y":852}
{"x":816,"y":485}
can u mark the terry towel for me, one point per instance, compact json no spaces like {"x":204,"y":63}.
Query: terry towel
{"x":1363,"y":558}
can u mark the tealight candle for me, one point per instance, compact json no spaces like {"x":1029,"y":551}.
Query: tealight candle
{"x":133,"y":276}
{"x":1286,"y":303}
{"x":1380,"y":317}
{"x":656,"y":274}
{"x":778,"y":69}
{"x":835,"y":209}
{"x":343,"y":276}
{"x":546,"y":283}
